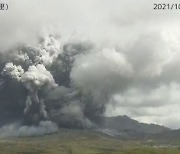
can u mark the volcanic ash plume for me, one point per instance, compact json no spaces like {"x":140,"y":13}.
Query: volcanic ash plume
{"x":35,"y":78}
{"x":58,"y":84}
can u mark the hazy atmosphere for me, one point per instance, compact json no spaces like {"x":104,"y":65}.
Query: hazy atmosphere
{"x":67,"y":63}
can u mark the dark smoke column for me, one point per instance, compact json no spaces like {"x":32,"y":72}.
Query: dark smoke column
{"x":36,"y":79}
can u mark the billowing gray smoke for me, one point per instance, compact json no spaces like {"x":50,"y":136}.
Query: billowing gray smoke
{"x":58,"y":83}
{"x":101,"y":56}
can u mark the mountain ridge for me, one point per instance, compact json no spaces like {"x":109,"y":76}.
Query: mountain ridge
{"x":121,"y":123}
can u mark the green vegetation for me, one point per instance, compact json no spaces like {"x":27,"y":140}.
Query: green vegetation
{"x":80,"y":142}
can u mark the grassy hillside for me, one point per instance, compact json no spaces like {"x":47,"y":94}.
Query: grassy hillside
{"x":80,"y":142}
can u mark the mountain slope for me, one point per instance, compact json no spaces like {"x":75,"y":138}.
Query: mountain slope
{"x":121,"y":123}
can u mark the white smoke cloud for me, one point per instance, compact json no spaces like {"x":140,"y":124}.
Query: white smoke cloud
{"x":36,"y":77}
{"x":13,"y":71}
{"x":17,"y":130}
{"x":105,"y":70}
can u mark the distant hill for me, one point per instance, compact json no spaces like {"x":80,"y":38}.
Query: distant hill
{"x":122,"y":123}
